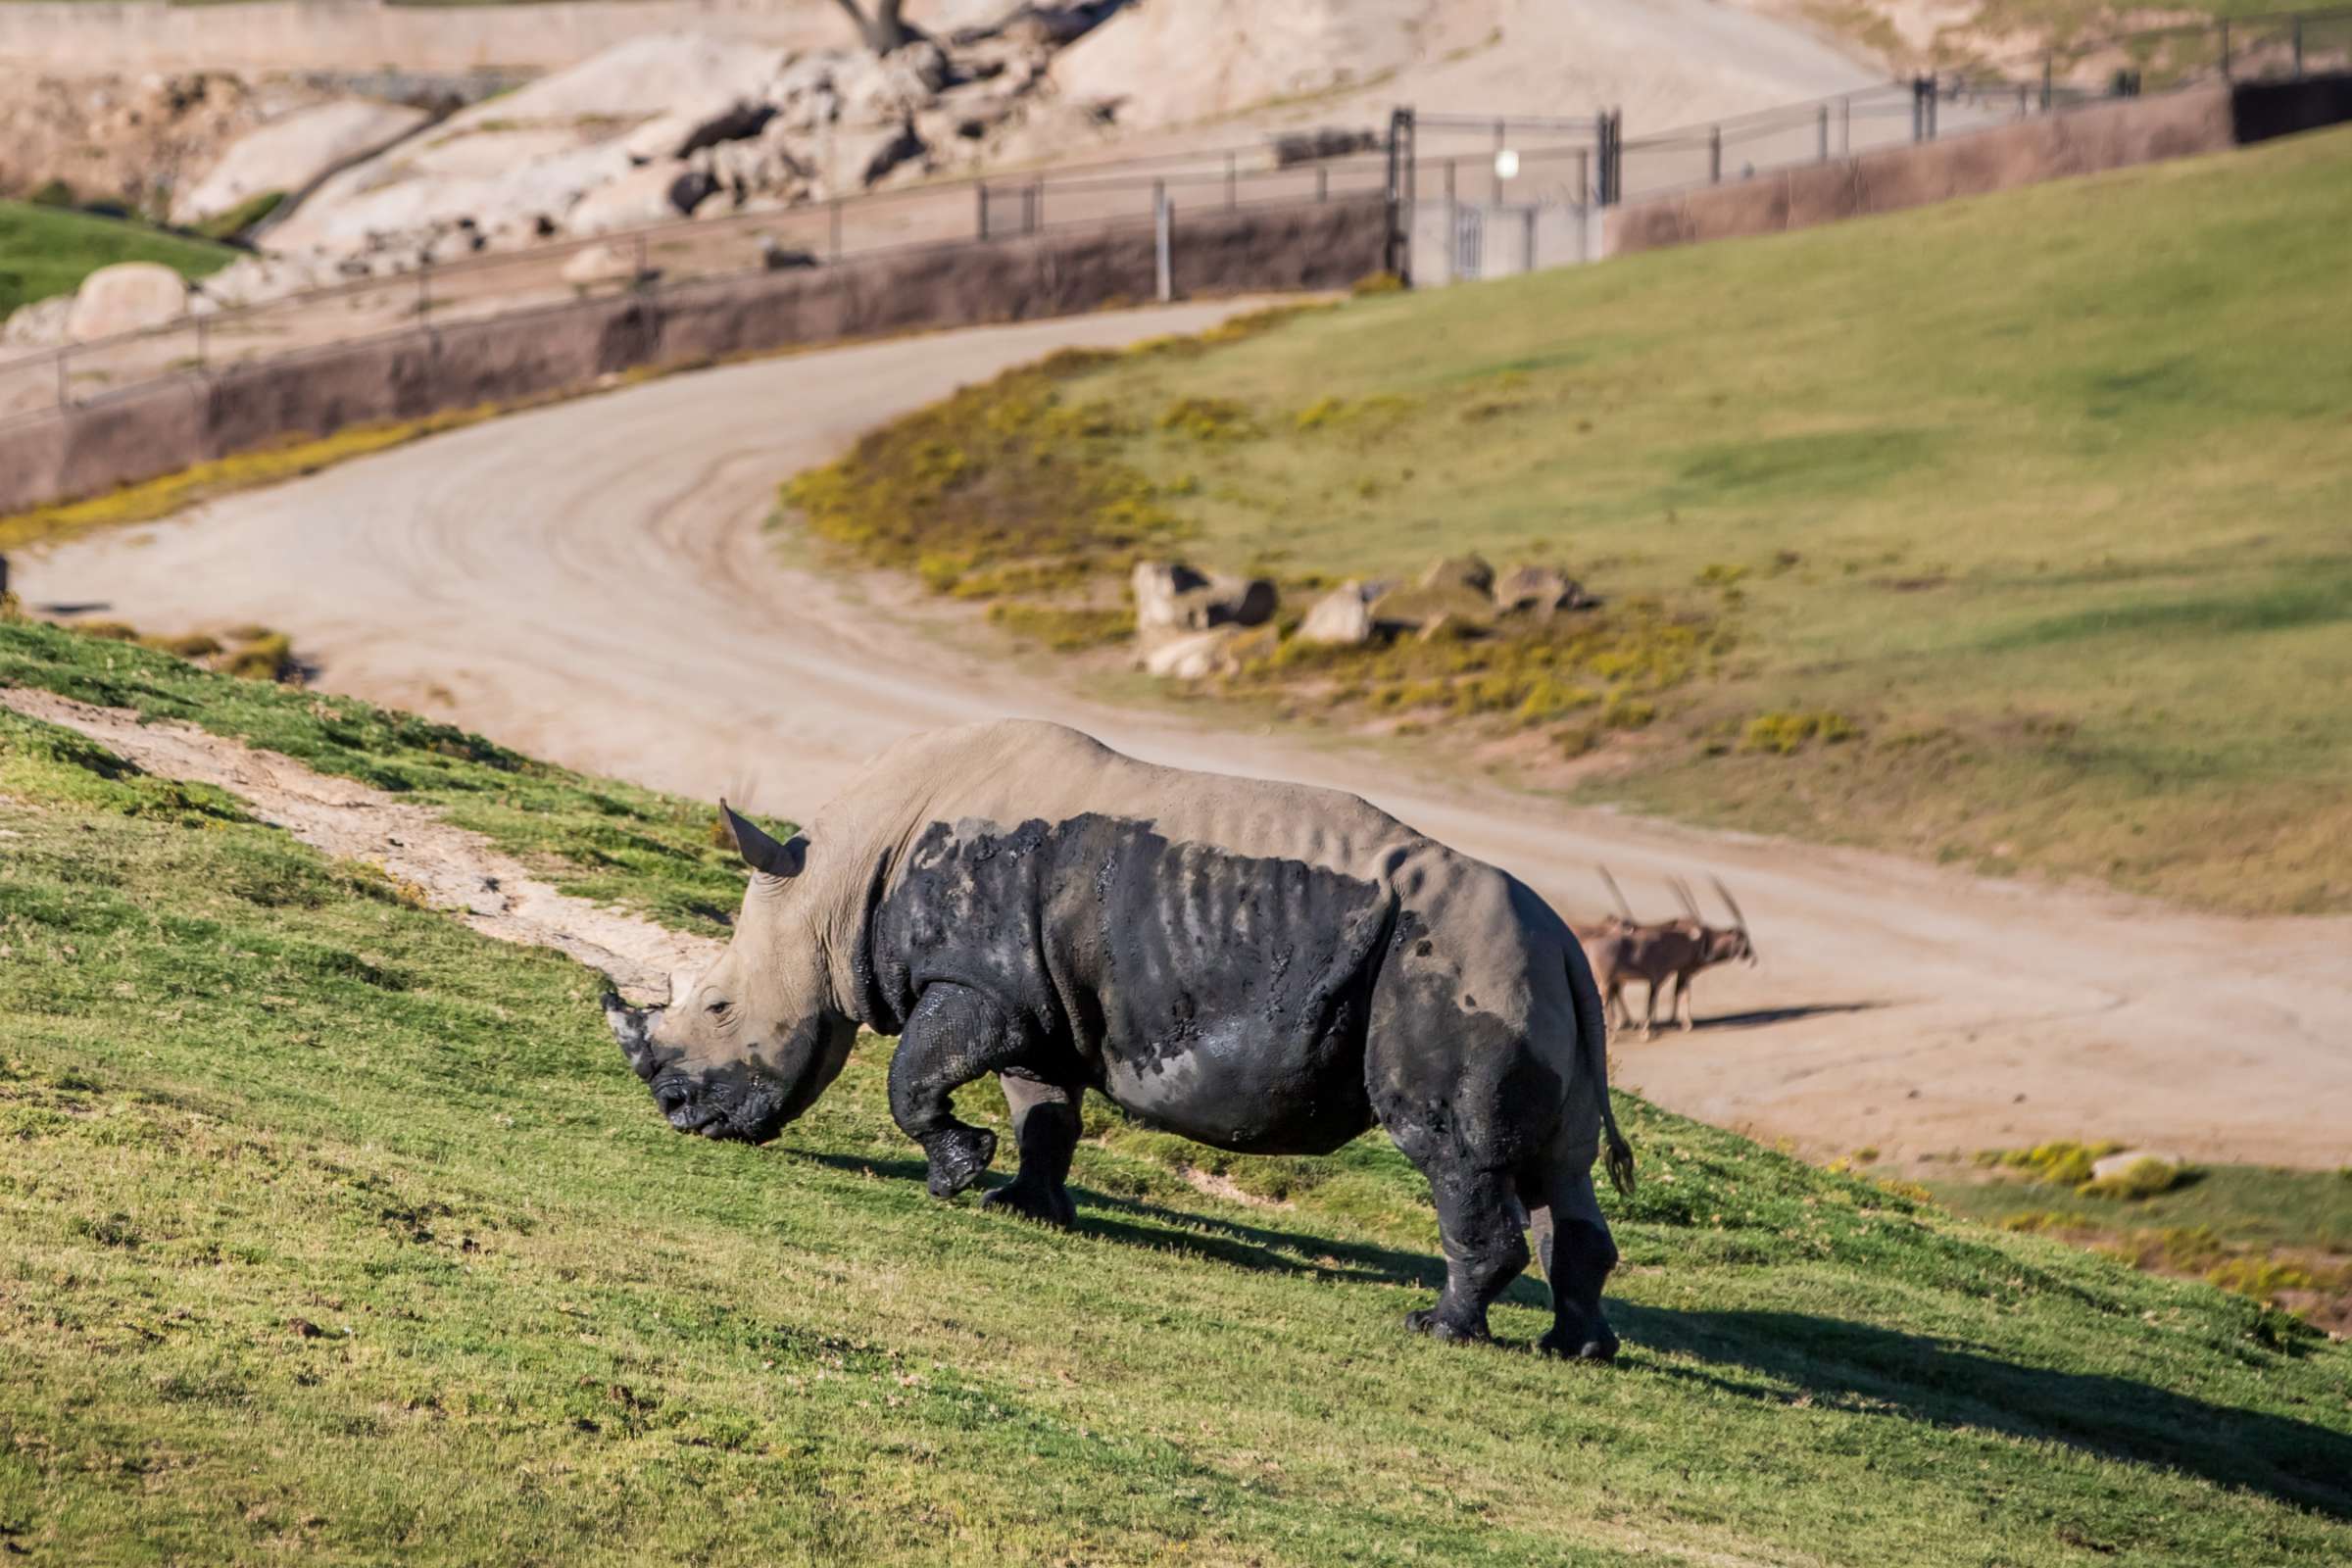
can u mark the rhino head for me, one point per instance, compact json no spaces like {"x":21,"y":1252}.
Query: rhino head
{"x":749,"y":1046}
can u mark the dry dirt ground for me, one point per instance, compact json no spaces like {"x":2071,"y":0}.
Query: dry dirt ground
{"x":437,"y":864}
{"x":592,"y":582}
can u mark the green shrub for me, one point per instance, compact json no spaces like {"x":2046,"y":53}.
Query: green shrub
{"x":1786,"y":733}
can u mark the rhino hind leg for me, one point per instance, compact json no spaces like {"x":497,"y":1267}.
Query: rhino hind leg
{"x":1044,"y":1129}
{"x":1574,"y":1245}
{"x":954,"y":1035}
{"x":1480,"y":1222}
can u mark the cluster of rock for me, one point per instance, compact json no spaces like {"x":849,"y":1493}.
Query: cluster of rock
{"x":1191,"y":622}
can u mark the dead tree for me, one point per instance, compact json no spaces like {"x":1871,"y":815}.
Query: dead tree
{"x":882,"y":32}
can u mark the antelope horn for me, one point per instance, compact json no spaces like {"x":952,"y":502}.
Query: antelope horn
{"x":1618,"y":893}
{"x":1729,"y":902}
{"x":1681,"y":890}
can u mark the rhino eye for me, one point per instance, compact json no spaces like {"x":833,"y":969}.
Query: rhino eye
{"x":719,"y":1009}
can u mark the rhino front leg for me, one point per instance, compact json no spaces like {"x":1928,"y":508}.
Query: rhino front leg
{"x":955,"y":1036}
{"x":1044,"y":1129}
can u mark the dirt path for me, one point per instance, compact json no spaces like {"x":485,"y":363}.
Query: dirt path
{"x":591,"y":583}
{"x":449,"y":868}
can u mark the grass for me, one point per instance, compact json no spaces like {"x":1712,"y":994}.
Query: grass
{"x":2006,"y":532}
{"x":338,"y":1233}
{"x":48,"y":250}
{"x":603,"y":839}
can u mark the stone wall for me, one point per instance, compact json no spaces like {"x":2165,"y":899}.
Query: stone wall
{"x":528,"y":356}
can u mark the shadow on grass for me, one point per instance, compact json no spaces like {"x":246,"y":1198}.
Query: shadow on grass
{"x":1872,"y":1370}
{"x":1263,"y":1248}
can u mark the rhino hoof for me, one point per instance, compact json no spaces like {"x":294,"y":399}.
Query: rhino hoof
{"x":1579,"y":1347}
{"x":1427,"y":1321}
{"x":1047,"y":1207}
{"x":957,"y":1158}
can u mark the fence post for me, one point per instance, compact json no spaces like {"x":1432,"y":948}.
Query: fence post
{"x":1714,"y":155}
{"x":1233,"y":196}
{"x":1845,"y":127}
{"x":2046,"y":83}
{"x":980,"y":200}
{"x":1933,"y":97}
{"x":1163,"y":257}
{"x":2225,"y":48}
{"x":1824,"y":137}
{"x":1402,"y":151}
{"x":1584,"y":177}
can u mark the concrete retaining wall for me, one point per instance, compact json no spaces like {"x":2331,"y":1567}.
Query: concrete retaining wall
{"x":2083,"y":141}
{"x":170,"y":425}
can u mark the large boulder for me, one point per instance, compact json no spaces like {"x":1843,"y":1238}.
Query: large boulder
{"x":127,"y":297}
{"x":1156,"y":585}
{"x":657,"y":193}
{"x":2116,"y":1164}
{"x":294,"y":152}
{"x":1464,"y":571}
{"x":890,"y":89}
{"x":1538,"y":588}
{"x":683,"y":132}
{"x":1416,"y":606}
{"x":1341,"y":617}
{"x":1190,"y":655}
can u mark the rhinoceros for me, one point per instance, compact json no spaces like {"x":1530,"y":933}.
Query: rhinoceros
{"x":1260,"y":966}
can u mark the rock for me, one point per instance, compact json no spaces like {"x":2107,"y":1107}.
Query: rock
{"x":1467,"y":572}
{"x":862,"y":158}
{"x":1224,"y":601}
{"x":1538,"y":588}
{"x":686,"y":131}
{"x":893,"y":86}
{"x":127,"y":297}
{"x":2116,"y":1165}
{"x":294,"y":152}
{"x":1340,"y":616}
{"x":41,"y":324}
{"x":657,"y":193}
{"x":1416,"y":606}
{"x":1156,"y":585}
{"x":1190,"y":655}
{"x":601,"y":263}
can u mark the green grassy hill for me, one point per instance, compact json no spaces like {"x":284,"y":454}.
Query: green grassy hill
{"x":50,"y":250}
{"x":2037,"y":501}
{"x":336,"y":1233}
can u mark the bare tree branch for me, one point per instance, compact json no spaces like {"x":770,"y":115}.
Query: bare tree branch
{"x":882,"y":32}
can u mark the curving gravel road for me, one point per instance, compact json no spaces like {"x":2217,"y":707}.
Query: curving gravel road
{"x":591,"y":582}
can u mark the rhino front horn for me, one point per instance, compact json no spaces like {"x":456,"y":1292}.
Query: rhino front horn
{"x":633,"y":1027}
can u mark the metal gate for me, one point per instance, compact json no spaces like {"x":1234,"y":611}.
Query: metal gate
{"x":1469,"y":242}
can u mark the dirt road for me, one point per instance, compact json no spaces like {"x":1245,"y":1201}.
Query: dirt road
{"x":591,"y":582}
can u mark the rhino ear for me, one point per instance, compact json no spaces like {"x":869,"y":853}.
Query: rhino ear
{"x":760,"y":852}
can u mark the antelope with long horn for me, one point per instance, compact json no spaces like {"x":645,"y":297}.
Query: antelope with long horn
{"x":1672,"y":951}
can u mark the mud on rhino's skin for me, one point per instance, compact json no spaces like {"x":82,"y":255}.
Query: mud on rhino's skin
{"x":1261,"y":966}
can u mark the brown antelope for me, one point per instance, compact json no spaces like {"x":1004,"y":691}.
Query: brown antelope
{"x":1671,"y":949}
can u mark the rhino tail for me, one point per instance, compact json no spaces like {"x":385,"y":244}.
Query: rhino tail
{"x":1592,"y":1039}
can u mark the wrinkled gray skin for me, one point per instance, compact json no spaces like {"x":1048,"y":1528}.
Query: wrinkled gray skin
{"x":1260,"y":966}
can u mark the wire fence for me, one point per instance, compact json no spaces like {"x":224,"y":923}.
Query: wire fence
{"x":1531,"y":167}
{"x":2279,"y":46}
{"x":44,"y":382}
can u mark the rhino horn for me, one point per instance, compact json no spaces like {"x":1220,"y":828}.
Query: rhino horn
{"x":760,"y":852}
{"x":633,"y":1027}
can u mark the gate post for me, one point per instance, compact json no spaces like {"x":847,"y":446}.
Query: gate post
{"x":1397,"y":257}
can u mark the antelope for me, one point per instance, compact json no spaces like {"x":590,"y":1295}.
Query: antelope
{"x":1671,"y":949}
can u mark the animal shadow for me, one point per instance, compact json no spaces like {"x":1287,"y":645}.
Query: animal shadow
{"x":1869,"y":1369}
{"x":1263,"y":1248}
{"x":1760,"y":1017}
